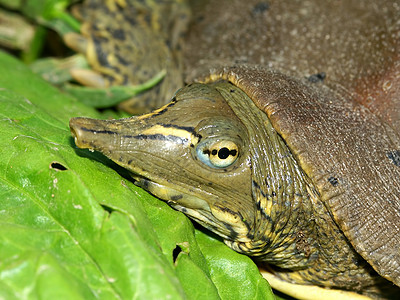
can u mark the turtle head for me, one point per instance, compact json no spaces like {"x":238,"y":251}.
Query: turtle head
{"x":192,"y":153}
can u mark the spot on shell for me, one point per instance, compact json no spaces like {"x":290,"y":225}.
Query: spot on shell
{"x":260,"y":8}
{"x":315,"y":78}
{"x":387,"y":85}
{"x":394,"y":156}
{"x":333,"y":181}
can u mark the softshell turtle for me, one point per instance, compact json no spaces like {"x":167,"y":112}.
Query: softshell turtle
{"x":288,"y":144}
{"x":128,"y":42}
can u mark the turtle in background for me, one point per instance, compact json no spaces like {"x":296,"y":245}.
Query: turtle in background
{"x":128,"y":43}
{"x":285,"y":140}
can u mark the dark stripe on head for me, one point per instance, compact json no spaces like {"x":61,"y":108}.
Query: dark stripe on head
{"x":160,"y":137}
{"x":97,"y":131}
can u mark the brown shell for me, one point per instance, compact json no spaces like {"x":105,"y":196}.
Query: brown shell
{"x":344,"y":131}
{"x":351,"y":155}
{"x":355,"y":44}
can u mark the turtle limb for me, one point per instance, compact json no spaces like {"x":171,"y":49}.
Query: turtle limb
{"x":76,"y":42}
{"x":127,"y":44}
{"x":88,"y":78}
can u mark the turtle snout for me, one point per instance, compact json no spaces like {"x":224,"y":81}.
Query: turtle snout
{"x":83,"y":131}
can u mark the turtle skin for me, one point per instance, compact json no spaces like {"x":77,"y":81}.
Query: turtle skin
{"x":304,"y":118}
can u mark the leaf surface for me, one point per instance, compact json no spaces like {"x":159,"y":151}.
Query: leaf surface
{"x":71,"y":227}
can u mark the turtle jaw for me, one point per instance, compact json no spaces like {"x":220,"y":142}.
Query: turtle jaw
{"x":172,"y":196}
{"x":195,"y":207}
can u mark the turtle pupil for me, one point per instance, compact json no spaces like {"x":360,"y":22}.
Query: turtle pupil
{"x":223,"y":153}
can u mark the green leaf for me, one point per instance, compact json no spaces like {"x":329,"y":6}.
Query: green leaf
{"x":20,"y":79}
{"x":249,"y":285}
{"x":52,"y":13}
{"x":72,"y":227}
{"x":29,"y":22}
{"x":52,"y":202}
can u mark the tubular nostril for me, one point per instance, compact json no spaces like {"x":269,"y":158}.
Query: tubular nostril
{"x":77,"y":126}
{"x":95,"y":134}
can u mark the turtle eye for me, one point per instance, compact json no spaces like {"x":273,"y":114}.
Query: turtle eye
{"x":220,"y":154}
